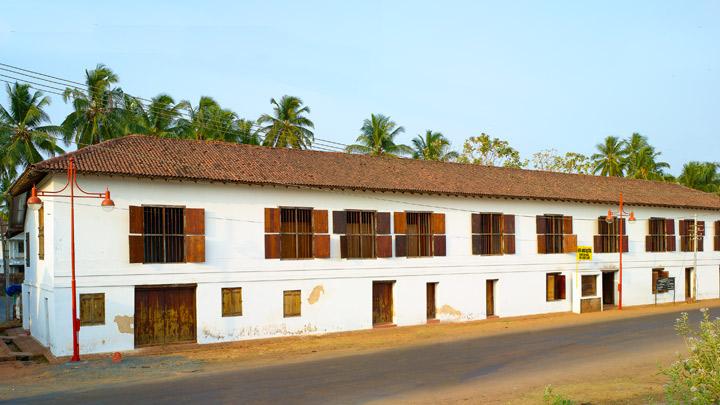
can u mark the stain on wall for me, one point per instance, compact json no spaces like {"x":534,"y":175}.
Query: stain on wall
{"x":450,"y":311}
{"x":124,"y":323}
{"x":315,"y":294}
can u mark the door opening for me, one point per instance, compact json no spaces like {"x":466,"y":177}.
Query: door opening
{"x":689,"y":293}
{"x":490,"y":297}
{"x":430,"y":297}
{"x":608,"y":287}
{"x":382,"y":304}
{"x":164,"y":315}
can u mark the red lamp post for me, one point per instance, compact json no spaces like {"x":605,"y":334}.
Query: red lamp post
{"x":107,"y":204}
{"x":609,"y":219}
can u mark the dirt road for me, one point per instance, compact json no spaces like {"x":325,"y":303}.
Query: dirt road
{"x":607,"y":357}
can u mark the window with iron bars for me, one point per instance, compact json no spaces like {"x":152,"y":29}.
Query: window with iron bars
{"x":419,"y":234}
{"x":296,"y":233}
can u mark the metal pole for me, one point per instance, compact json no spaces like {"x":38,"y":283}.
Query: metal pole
{"x":695,"y":252}
{"x":75,"y":321}
{"x":620,"y":245}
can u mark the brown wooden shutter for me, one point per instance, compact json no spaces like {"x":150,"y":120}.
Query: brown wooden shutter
{"x":624,"y":226}
{"x":136,"y":219}
{"x":343,"y":246}
{"x":561,"y":286}
{"x":508,"y":223}
{"x":664,"y":274}
{"x":194,"y":248}
{"x":272,"y":220}
{"x":648,"y":243}
{"x":508,"y":244}
{"x":569,"y":243}
{"x":320,"y":221}
{"x":683,"y":225}
{"x":194,"y":221}
{"x":701,"y":228}
{"x":382,"y":224}
{"x":437,"y":225}
{"x":670,"y":245}
{"x":41,"y":233}
{"x":400,"y":223}
{"x":475,"y":223}
{"x":476,"y":244}
{"x":272,"y":246}
{"x":439,"y":245}
{"x":401,"y":246}
{"x":542,"y":244}
{"x":670,"y":226}
{"x":567,"y":225}
{"x":541,"y":224}
{"x":655,"y":276}
{"x":597,"y":244}
{"x":550,"y":285}
{"x":321,"y":244}
{"x":137,"y":249}
{"x":625,"y":243}
{"x":339,"y":222}
{"x":383,"y":246}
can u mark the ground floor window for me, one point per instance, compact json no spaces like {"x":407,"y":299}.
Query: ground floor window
{"x":554,"y":286}
{"x":92,"y":309}
{"x":291,"y":303}
{"x":589,"y":286}
{"x":656,"y":275}
{"x":232,"y":301}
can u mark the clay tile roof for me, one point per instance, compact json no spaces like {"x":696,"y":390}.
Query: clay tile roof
{"x":144,"y":156}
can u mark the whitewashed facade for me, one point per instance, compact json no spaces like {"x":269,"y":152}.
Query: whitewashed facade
{"x":336,"y":294}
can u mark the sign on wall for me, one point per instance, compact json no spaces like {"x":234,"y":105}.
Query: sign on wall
{"x":584,"y":253}
{"x":665,"y":284}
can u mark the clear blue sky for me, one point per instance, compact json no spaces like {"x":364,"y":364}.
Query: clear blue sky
{"x":540,"y":74}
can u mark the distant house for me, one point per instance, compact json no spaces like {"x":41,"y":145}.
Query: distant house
{"x":217,"y":242}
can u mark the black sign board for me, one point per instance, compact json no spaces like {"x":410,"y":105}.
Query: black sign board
{"x":665,"y":284}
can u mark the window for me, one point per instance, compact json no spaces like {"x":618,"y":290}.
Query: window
{"x":661,"y":236}
{"x":92,"y":309}
{"x":554,"y":286}
{"x":687,"y":235}
{"x":161,"y":234}
{"x":493,"y":234}
{"x":360,"y":234}
{"x":554,"y":234}
{"x":656,"y":275}
{"x":21,"y":247}
{"x":609,"y":236}
{"x":41,"y":233}
{"x":295,"y":233}
{"x":419,"y":235}
{"x":291,"y":303}
{"x":232,"y":301}
{"x":717,"y":235}
{"x":589,"y":285}
{"x":27,"y":249}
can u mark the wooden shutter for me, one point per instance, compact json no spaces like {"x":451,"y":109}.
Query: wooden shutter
{"x":625,"y":243}
{"x":717,"y":235}
{"x":194,"y":221}
{"x":541,"y":224}
{"x":597,"y":244}
{"x":683,"y":225}
{"x":321,"y":246}
{"x":41,"y":233}
{"x":401,"y":246}
{"x":339,"y":222}
{"x":136,"y":242}
{"x":664,"y":274}
{"x":136,"y":219}
{"x":272,"y":246}
{"x":92,"y":309}
{"x":437,"y":223}
{"x":320,"y":221}
{"x":670,"y":227}
{"x":508,"y":223}
{"x":343,"y":247}
{"x":561,"y":286}
{"x":655,"y":276}
{"x":400,"y":223}
{"x":439,"y":248}
{"x":569,"y":243}
{"x":670,"y":243}
{"x":567,"y":225}
{"x":137,"y":249}
{"x":382,"y":223}
{"x":383,"y":245}
{"x":231,"y":302}
{"x":550,"y":284}
{"x":475,"y":223}
{"x":542,"y":244}
{"x":649,"y":243}
{"x":272,"y":220}
{"x":624,"y":226}
{"x":195,"y":248}
{"x":508,"y":242}
{"x":476,"y":244}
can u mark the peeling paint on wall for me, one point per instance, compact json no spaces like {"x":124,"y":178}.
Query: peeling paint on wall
{"x":448,"y":310}
{"x":315,"y":294}
{"x":124,"y":323}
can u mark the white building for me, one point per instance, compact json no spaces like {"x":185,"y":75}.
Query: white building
{"x":215,"y":242}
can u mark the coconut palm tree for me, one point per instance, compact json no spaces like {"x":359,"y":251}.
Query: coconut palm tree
{"x":610,"y":159}
{"x":23,"y":136}
{"x":97,"y":113}
{"x":247,"y":132}
{"x":642,"y":159}
{"x":288,"y":127}
{"x":377,"y":138}
{"x":433,"y":146}
{"x":702,"y":176}
{"x":209,"y":121}
{"x":159,"y":118}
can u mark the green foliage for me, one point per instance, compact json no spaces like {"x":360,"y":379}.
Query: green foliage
{"x":433,"y":146}
{"x":611,"y":158}
{"x":570,"y":162}
{"x":377,"y":138}
{"x":288,"y":127}
{"x":488,"y":151}
{"x":551,"y":398}
{"x":696,"y":379}
{"x":702,"y":176}
{"x":162,"y":117}
{"x":641,"y":160}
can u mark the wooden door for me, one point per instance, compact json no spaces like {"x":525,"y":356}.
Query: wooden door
{"x":382,"y":302}
{"x":608,"y":288}
{"x":164,"y":315}
{"x":688,"y":283}
{"x":430,"y":294}
{"x":489,"y":297}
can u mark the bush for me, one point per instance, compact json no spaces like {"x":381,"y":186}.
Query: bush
{"x":696,"y":379}
{"x":551,"y":398}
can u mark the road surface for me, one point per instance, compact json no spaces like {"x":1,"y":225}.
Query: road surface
{"x":484,"y":363}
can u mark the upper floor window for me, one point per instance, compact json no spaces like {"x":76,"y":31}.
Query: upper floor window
{"x":717,"y":235}
{"x":419,"y":234}
{"x":687,"y":235}
{"x":162,"y":234}
{"x":41,"y":233}
{"x":296,"y":233}
{"x":661,"y":235}
{"x":609,"y":236}
{"x":555,"y":234}
{"x":493,"y":234}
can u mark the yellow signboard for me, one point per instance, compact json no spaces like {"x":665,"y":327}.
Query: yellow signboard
{"x":584,"y":253}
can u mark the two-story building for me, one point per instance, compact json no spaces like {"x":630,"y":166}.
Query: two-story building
{"x":214,"y":242}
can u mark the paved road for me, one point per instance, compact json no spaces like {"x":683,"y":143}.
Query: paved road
{"x":387,"y":374}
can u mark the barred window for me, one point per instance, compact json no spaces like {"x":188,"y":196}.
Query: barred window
{"x":163,"y":234}
{"x":360,"y":233}
{"x":296,"y":233}
{"x":490,"y":234}
{"x":419,"y":234}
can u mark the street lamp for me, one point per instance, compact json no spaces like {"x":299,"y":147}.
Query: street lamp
{"x":609,"y":219}
{"x":34,"y":202}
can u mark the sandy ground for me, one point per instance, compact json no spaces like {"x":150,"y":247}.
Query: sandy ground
{"x":635,"y":379}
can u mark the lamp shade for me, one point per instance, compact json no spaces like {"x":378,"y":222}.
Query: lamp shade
{"x":34,"y":202}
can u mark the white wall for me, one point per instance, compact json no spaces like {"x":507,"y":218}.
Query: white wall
{"x":235,"y":258}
